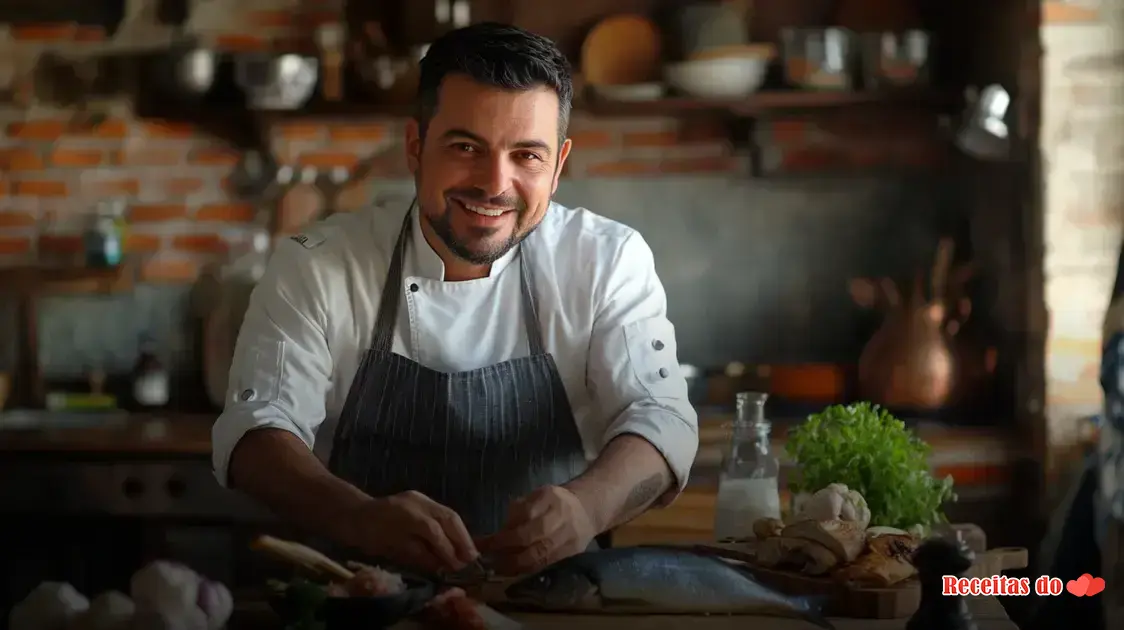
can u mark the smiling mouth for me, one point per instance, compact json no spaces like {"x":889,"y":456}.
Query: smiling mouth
{"x":482,"y":210}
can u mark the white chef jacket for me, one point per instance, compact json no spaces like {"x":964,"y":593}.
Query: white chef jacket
{"x":602,"y":311}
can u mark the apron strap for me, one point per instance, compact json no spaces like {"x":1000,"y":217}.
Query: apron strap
{"x":530,"y":306}
{"x":386,"y":321}
{"x":392,"y":289}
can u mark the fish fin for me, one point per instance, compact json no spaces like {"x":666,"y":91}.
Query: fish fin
{"x":815,"y":603}
{"x":812,"y":608}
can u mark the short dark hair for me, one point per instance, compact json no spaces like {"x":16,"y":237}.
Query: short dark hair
{"x":499,"y":55}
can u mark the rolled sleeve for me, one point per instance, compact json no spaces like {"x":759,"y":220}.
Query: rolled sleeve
{"x":634,"y":366}
{"x":281,"y":371}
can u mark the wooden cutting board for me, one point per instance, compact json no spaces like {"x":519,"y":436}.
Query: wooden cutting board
{"x":893,"y":602}
{"x":622,"y":50}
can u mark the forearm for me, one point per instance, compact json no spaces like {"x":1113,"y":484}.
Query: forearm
{"x":624,"y":481}
{"x":276,"y":468}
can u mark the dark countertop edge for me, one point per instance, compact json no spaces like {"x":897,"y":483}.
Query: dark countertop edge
{"x":129,"y":440}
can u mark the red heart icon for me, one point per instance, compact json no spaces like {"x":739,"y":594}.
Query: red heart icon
{"x":1079,"y":586}
{"x":1096,"y":585}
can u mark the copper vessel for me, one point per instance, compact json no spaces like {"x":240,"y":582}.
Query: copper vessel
{"x":912,"y":361}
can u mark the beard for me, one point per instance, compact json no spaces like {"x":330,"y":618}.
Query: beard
{"x":477,"y":248}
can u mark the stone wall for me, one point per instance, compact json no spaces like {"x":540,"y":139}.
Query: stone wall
{"x":1082,"y":138}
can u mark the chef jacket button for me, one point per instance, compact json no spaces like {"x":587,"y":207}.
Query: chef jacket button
{"x":664,"y":373}
{"x":247,"y":395}
{"x":658,"y":345}
{"x":414,"y":287}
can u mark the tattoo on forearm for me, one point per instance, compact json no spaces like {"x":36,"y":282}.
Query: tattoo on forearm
{"x":644,"y":493}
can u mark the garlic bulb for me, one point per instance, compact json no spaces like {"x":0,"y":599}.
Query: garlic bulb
{"x":165,"y":586}
{"x":175,"y":594}
{"x":109,"y":611}
{"x":836,"y":502}
{"x":50,"y":606}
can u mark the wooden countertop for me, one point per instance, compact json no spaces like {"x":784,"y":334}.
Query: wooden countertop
{"x":141,"y":433}
{"x":988,"y":612}
{"x":978,"y":459}
{"x":190,"y":434}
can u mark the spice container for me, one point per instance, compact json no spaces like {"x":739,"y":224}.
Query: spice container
{"x":895,"y":59}
{"x":104,"y":237}
{"x":819,"y":59}
{"x":330,"y":38}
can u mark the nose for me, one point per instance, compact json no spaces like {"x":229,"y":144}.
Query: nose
{"x":494,"y":175}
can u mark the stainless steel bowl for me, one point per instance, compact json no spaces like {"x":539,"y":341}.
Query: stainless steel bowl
{"x":276,"y":82}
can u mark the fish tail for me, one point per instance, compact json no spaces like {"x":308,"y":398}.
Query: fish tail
{"x":811,"y":610}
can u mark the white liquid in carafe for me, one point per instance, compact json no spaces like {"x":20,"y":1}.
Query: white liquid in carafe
{"x":741,"y":502}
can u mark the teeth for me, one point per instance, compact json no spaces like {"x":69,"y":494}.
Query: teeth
{"x":488,"y":212}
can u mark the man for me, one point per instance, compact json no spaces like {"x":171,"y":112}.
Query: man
{"x":502,"y":369}
{"x":1110,"y":460}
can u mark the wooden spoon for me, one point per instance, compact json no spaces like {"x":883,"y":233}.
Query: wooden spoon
{"x":301,"y":556}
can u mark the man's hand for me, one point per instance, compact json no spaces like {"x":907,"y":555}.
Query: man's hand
{"x":542,"y":528}
{"x":412,"y":531}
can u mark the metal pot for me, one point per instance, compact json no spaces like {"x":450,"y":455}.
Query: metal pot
{"x":276,"y":82}
{"x":985,"y":130}
{"x":185,"y":69}
{"x":195,"y":70}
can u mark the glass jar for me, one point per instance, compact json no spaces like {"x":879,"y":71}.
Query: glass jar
{"x":895,"y":59}
{"x":819,"y":59}
{"x":104,"y":237}
{"x":748,"y":488}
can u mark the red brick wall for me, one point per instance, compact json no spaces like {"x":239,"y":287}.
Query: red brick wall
{"x":173,"y":177}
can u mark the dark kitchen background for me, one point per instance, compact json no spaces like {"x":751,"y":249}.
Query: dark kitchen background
{"x":784,"y":224}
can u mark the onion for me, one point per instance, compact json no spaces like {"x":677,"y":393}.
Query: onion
{"x":50,"y":606}
{"x":216,"y":602}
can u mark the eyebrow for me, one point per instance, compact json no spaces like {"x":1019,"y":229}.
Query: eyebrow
{"x":522,"y":144}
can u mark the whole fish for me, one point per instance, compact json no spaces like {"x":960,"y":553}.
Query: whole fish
{"x":660,"y":578}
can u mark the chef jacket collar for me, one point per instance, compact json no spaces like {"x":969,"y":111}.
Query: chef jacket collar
{"x":425,"y":262}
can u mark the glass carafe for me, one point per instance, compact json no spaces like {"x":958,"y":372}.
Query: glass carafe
{"x":748,"y":488}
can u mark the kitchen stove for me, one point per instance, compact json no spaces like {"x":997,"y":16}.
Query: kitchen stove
{"x":106,"y":482}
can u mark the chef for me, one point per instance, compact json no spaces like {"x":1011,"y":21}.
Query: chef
{"x":497,"y":372}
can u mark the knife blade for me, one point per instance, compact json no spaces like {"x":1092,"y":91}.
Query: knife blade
{"x":476,"y":572}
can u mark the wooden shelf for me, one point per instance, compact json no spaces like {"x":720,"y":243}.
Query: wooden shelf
{"x":37,"y":279}
{"x":758,"y":104}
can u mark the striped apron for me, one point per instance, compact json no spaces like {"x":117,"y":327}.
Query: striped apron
{"x":473,"y":440}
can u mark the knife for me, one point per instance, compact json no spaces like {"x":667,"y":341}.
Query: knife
{"x":476,"y":572}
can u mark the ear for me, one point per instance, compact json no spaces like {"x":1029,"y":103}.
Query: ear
{"x":413,"y":146}
{"x":563,"y":153}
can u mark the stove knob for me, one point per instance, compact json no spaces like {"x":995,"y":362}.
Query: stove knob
{"x":176,"y":487}
{"x":132,"y":487}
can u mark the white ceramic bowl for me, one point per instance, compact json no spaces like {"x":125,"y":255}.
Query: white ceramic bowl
{"x":724,"y":77}
{"x":629,"y":93}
